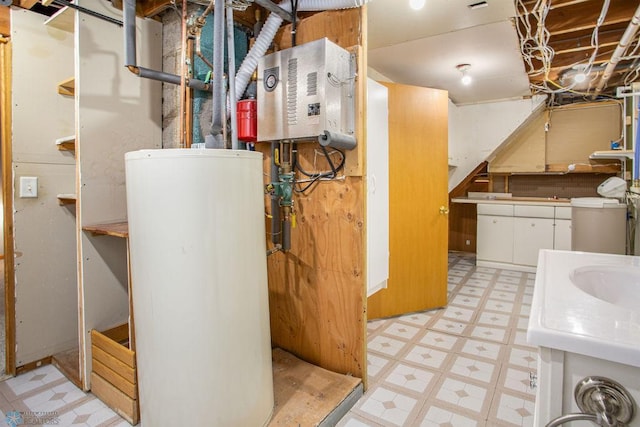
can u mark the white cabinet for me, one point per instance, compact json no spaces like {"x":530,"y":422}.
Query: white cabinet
{"x":511,"y":235}
{"x":562,"y":235}
{"x":562,"y":230}
{"x":532,"y":231}
{"x":377,"y":187}
{"x":495,"y":233}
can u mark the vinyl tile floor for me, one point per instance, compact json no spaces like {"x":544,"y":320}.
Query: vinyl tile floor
{"x":464,"y":365}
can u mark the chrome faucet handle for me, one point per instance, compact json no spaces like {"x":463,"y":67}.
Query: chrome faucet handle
{"x":607,"y":399}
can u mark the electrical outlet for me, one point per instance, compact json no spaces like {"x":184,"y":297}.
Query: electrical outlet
{"x":468,"y":242}
{"x":28,"y":186}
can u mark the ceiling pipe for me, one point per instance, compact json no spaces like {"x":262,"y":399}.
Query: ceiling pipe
{"x":216,"y":137}
{"x":129,"y":24}
{"x":623,"y":45}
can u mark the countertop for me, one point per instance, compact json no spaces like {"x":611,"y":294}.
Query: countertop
{"x":514,"y":201}
{"x":566,"y":318}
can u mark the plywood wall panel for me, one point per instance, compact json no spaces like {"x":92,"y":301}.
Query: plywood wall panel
{"x":5,"y":21}
{"x":524,"y":150}
{"x":317,"y":290}
{"x":577,"y":131}
{"x":44,"y":232}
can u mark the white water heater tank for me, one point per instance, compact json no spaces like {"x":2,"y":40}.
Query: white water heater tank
{"x":199,"y":283}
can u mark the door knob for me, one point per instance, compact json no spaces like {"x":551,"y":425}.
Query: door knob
{"x":444,"y":210}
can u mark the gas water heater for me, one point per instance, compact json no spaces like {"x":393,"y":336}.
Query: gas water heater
{"x":307,"y":92}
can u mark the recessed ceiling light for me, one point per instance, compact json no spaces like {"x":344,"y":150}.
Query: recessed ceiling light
{"x":478,"y":5}
{"x":416,"y":4}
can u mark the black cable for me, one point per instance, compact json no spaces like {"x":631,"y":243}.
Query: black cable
{"x":317,"y":177}
{"x":88,"y":12}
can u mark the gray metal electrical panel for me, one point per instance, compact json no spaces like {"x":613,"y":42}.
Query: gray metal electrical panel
{"x":307,"y":92}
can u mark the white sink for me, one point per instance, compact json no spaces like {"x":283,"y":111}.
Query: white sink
{"x":616,"y":285}
{"x":587,"y":303}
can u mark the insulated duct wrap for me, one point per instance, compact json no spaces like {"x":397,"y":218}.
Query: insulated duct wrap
{"x":337,"y":140}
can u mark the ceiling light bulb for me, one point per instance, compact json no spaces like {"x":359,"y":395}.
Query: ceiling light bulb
{"x":416,"y":4}
{"x":466,"y":80}
{"x":579,"y":78}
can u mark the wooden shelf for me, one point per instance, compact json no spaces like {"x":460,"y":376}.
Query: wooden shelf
{"x":62,"y":20}
{"x":67,"y":199}
{"x":612,"y":154}
{"x":117,"y":229}
{"x":67,"y":87}
{"x":66,"y":143}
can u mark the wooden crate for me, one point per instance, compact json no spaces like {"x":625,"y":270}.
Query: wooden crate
{"x":114,"y":373}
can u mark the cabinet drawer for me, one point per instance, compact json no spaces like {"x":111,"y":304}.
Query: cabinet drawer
{"x":534,"y":211}
{"x":563,"y":212}
{"x":500,"y":210}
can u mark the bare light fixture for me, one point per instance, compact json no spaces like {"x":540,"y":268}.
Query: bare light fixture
{"x":466,"y":78}
{"x":416,"y":4}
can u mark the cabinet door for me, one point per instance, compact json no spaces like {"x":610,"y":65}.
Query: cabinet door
{"x":495,"y":238}
{"x":562,"y":235}
{"x":529,"y":236}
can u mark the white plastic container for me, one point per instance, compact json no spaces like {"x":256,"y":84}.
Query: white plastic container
{"x":199,"y":279}
{"x":598,"y":225}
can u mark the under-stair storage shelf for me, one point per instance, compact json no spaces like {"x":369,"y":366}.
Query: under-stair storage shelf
{"x":62,"y":20}
{"x":66,"y":143}
{"x":67,"y":199}
{"x":114,"y":373}
{"x":116,"y":229}
{"x":67,"y":87}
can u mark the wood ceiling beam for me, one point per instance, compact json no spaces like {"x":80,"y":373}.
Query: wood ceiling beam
{"x":583,"y":16}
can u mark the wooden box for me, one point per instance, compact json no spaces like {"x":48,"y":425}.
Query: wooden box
{"x":114,"y":373}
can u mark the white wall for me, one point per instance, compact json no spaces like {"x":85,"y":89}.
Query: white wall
{"x":476,"y":130}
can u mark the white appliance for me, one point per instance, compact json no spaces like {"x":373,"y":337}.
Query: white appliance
{"x":598,"y":224}
{"x":199,"y":283}
{"x":307,"y":92}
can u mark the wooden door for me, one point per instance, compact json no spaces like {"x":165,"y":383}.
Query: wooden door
{"x":418,"y":227}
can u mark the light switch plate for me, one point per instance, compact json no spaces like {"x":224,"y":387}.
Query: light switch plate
{"x":28,"y":186}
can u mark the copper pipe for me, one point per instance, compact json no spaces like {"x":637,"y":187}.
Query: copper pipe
{"x":183,"y":83}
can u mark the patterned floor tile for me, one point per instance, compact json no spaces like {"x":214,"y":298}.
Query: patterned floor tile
{"x":436,"y":416}
{"x":464,"y":395}
{"x":484,"y":349}
{"x":517,"y":380}
{"x":400,"y":330}
{"x":481,"y":371}
{"x":420,"y":319}
{"x":450,"y":326}
{"x":511,"y":410}
{"x":490,"y":333}
{"x":458,"y":313}
{"x":426,"y":356}
{"x":387,"y":405}
{"x":436,"y":339}
{"x":411,"y":378}
{"x":386,"y":345}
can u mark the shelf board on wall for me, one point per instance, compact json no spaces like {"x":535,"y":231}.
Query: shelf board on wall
{"x":62,"y":20}
{"x":612,"y":154}
{"x":66,"y":199}
{"x":67,"y":87}
{"x":117,"y":229}
{"x":66,"y":143}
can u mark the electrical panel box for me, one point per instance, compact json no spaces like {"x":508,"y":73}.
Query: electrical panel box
{"x":305,"y":92}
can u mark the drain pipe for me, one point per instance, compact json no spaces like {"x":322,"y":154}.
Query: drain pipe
{"x":231,"y":50}
{"x":129,"y":24}
{"x":623,"y":45}
{"x":216,"y":139}
{"x":271,"y":26}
